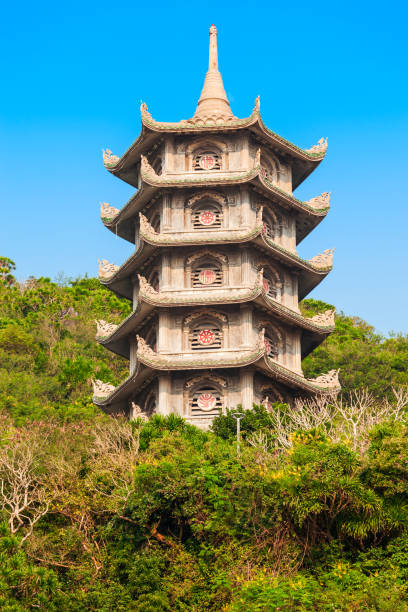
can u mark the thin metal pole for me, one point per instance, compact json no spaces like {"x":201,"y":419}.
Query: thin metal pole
{"x":238,"y":435}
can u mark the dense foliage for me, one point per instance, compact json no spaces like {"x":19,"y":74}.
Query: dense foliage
{"x":102,"y":514}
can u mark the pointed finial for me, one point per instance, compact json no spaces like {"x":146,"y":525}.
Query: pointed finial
{"x":213,"y":56}
{"x":213,"y":104}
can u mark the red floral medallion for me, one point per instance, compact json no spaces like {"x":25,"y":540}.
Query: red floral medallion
{"x":207,"y":217}
{"x":207,"y":277}
{"x":206,"y":401}
{"x":206,"y":337}
{"x":207,"y":162}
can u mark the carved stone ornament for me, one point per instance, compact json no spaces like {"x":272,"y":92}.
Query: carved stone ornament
{"x":109,"y":159}
{"x":320,"y":147}
{"x":145,"y":286}
{"x":145,"y":227}
{"x":325,"y":318}
{"x":261,"y":339}
{"x":205,"y":313}
{"x":259,"y":279}
{"x":331,"y":379}
{"x":102,"y":389}
{"x":207,"y":253}
{"x":108,"y":211}
{"x":143,"y":111}
{"x":323,"y":260}
{"x":106,"y":269}
{"x":321,"y":201}
{"x":257,"y":162}
{"x":207,"y":195}
{"x":213,"y":377}
{"x":104,"y":329}
{"x":143,"y":348}
{"x":257,"y":105}
{"x":137,"y":413}
{"x":147,"y":168}
{"x":259,"y":212}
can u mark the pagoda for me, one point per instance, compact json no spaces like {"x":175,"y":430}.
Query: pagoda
{"x":215,"y":278}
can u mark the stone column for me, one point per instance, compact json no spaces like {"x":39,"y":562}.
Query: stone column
{"x":246,"y":212}
{"x":164,"y":403}
{"x":246,"y":267}
{"x":163,"y":331}
{"x":132,"y":354}
{"x":135,"y":292}
{"x":165,"y":272}
{"x":166,"y":215}
{"x":247,"y":388}
{"x":246,"y":325}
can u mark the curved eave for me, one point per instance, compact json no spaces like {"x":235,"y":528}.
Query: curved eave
{"x":312,"y":333}
{"x":126,"y":167}
{"x":118,"y":341}
{"x":303,"y":162}
{"x":309,"y":276}
{"x":121,"y":282}
{"x":254,"y":121}
{"x":117,"y":401}
{"x":172,"y":363}
{"x":292,"y":379}
{"x":307,"y":217}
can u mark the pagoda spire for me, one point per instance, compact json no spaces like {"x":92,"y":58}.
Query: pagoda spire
{"x":213,"y":102}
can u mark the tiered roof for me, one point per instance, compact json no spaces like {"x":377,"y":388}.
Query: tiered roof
{"x":213,"y":115}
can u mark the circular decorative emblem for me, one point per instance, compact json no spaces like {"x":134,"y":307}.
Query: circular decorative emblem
{"x":207,"y":217}
{"x":207,"y":162}
{"x":265,"y":285}
{"x":206,"y":337}
{"x":206,"y":401}
{"x":207,"y":277}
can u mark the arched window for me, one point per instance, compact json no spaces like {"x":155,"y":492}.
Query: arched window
{"x":205,"y":334}
{"x":207,"y":273}
{"x":272,"y":225}
{"x":273,"y":341}
{"x":206,"y":400}
{"x":269,"y":285}
{"x":272,"y":282}
{"x":206,"y":215}
{"x":207,"y":160}
{"x":271,"y":345}
{"x":269,"y":168}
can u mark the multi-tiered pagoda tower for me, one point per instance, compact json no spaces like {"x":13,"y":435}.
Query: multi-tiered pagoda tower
{"x":215,"y":277}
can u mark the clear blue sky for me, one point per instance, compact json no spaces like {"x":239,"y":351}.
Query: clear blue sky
{"x":73,"y":75}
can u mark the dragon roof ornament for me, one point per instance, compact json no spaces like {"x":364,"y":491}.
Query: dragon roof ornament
{"x":102,"y":389}
{"x":320,"y":202}
{"x":320,"y":147}
{"x":323,"y":260}
{"x":325,"y":319}
{"x":108,"y":211}
{"x":109,"y":159}
{"x":329,"y":380}
{"x":106,"y":269}
{"x":104,"y":329}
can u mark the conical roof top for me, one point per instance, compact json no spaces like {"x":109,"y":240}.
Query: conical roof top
{"x":213,"y":103}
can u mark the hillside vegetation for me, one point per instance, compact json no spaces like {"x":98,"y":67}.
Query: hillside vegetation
{"x":102,"y":514}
